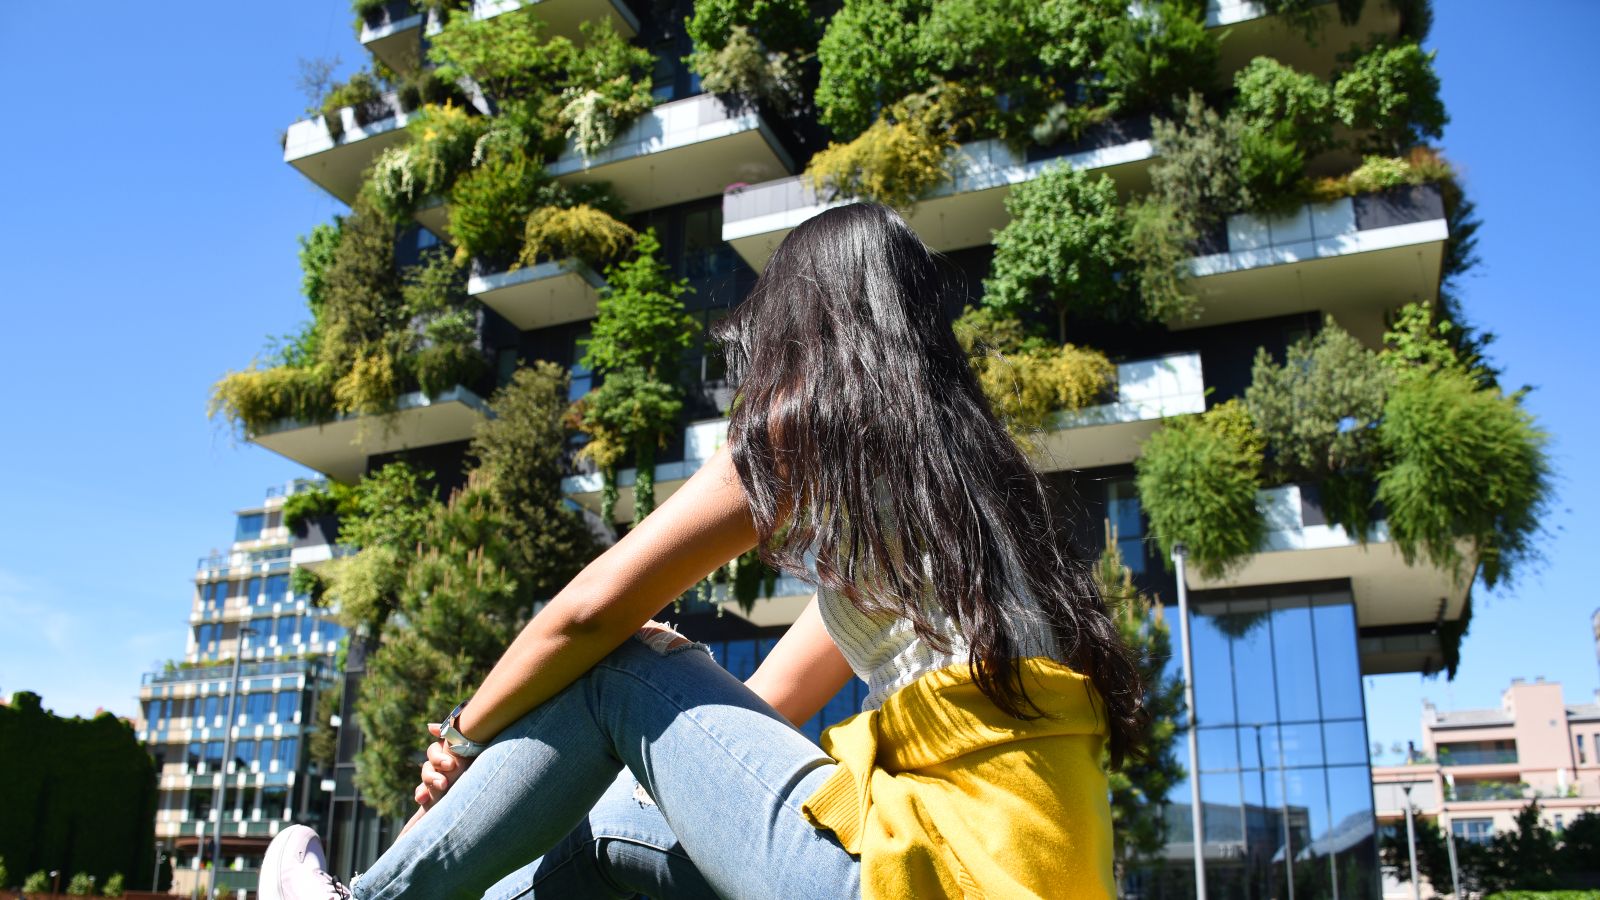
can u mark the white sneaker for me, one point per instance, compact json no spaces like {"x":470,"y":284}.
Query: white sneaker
{"x":295,"y":869}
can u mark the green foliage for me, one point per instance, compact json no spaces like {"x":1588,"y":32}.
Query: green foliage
{"x":1381,"y":173}
{"x":85,"y":806}
{"x":1391,"y":94}
{"x":519,"y":453}
{"x":316,"y":255}
{"x":81,"y":885}
{"x":1066,"y":244}
{"x":782,"y":25}
{"x":113,"y":886}
{"x":1139,"y":787}
{"x":488,"y":205}
{"x":1468,"y":464}
{"x":1200,"y":164}
{"x":443,"y":142}
{"x":506,"y":56}
{"x":389,"y":510}
{"x":607,"y":88}
{"x":1433,"y":856}
{"x":361,"y":93}
{"x":582,"y":232}
{"x":1027,"y":379}
{"x":635,"y":344}
{"x":1160,"y":241}
{"x":1198,"y":477}
{"x":301,"y":507}
{"x":323,"y":740}
{"x":1160,"y":51}
{"x":897,"y":160}
{"x":642,"y":322}
{"x":256,"y":398}
{"x":1020,"y":61}
{"x":1271,"y":92}
{"x":1319,"y":412}
{"x":304,"y":582}
{"x":469,"y":586}
{"x":746,"y":72}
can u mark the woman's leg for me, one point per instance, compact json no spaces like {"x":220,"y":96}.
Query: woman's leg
{"x":726,"y":772}
{"x":624,"y":848}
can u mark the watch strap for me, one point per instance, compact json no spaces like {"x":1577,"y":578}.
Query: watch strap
{"x":457,"y":743}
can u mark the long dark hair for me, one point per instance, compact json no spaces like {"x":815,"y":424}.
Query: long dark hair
{"x":861,"y":436}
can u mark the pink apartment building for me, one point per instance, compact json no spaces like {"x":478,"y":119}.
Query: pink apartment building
{"x":1478,"y":767}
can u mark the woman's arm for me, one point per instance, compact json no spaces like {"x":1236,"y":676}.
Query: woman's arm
{"x":700,"y":527}
{"x":804,"y":671}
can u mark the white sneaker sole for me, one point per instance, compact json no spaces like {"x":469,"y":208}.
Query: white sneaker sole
{"x":270,"y":884}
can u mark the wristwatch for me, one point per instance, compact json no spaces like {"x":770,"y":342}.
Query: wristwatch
{"x":457,"y":743}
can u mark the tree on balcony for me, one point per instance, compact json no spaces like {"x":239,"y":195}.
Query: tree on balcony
{"x":636,"y":344}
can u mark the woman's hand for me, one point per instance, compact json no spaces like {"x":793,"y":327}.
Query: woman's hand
{"x":439,"y":772}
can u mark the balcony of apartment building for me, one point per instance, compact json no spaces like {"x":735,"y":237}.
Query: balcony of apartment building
{"x":963,"y":212}
{"x":552,"y":292}
{"x":1301,"y":546}
{"x":1356,"y":258}
{"x":681,"y":150}
{"x":1109,"y":434}
{"x":340,"y":448}
{"x":336,"y":158}
{"x":1254,"y":31}
{"x":395,"y":32}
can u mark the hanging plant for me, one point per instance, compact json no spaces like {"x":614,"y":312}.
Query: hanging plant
{"x":1197,"y":478}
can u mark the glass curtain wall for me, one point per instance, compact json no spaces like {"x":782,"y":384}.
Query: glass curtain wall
{"x":1283,"y":752}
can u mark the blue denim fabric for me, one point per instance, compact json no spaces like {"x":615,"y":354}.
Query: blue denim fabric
{"x":554,"y":807}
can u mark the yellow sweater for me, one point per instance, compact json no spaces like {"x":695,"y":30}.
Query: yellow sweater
{"x":943,"y":795}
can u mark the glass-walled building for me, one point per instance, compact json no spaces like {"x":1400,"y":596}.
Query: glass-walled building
{"x":243,"y":608}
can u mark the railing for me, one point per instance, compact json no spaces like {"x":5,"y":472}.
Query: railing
{"x":251,"y":562}
{"x":1147,"y":389}
{"x":1302,"y":228}
{"x":1476,"y":756}
{"x":297,"y":486}
{"x":225,"y":670}
{"x":1470,"y":791}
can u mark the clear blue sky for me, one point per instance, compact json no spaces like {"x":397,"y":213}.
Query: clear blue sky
{"x":151,"y":238}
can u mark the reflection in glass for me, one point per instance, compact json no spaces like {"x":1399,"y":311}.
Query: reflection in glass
{"x":1287,"y":792}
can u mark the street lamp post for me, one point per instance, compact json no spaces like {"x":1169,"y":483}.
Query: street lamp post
{"x":155,"y":877}
{"x":1411,"y":846}
{"x":1180,"y":553}
{"x":227,"y":752}
{"x":1455,"y":872}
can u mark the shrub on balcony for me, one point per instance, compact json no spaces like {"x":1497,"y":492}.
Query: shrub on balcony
{"x":1197,"y":478}
{"x":897,"y":160}
{"x":1027,"y":378}
{"x":1018,"y":60}
{"x":607,"y":87}
{"x":581,"y":231}
{"x":1380,"y":173}
{"x":753,"y":52}
{"x":444,"y":142}
{"x":1319,"y":412}
{"x":488,"y":205}
{"x":1201,"y":158}
{"x":641,"y":333}
{"x":1468,"y":466}
{"x":362,"y":94}
{"x":1160,"y":51}
{"x":1065,"y":247}
{"x":1391,"y":94}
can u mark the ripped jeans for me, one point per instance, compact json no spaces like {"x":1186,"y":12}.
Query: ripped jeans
{"x":656,"y":773}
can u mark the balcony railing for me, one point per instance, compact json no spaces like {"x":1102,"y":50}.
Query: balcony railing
{"x":1358,"y":257}
{"x":538,"y":296}
{"x":1300,"y":546}
{"x":340,"y":448}
{"x":1147,"y":390}
{"x":337,"y":159}
{"x":962,"y":212}
{"x":224,"y":671}
{"x":681,"y":150}
{"x":1476,"y":756}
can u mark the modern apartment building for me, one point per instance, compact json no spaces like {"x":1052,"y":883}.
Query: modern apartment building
{"x":1479,"y":767}
{"x":1281,"y":641}
{"x":243,"y":609}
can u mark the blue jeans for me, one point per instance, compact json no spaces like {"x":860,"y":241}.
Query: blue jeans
{"x":707,"y":803}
